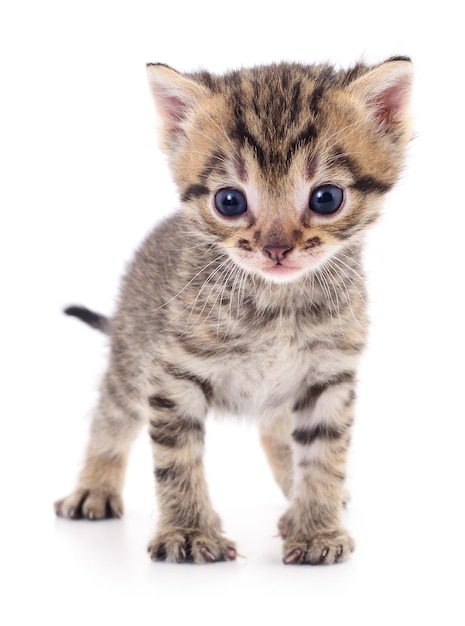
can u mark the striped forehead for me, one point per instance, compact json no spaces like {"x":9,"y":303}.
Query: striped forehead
{"x":269,"y":115}
{"x":274,"y":118}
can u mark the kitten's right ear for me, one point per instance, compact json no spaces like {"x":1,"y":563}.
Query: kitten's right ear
{"x":385,"y":91}
{"x":175,"y":98}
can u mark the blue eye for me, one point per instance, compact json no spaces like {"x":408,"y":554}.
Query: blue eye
{"x":230,"y":202}
{"x":326,"y":199}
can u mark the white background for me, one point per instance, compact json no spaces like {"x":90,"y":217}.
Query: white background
{"x":81,"y":182}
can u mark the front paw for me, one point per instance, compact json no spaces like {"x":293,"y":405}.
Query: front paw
{"x":191,"y":546}
{"x":321,"y":547}
{"x":93,"y":504}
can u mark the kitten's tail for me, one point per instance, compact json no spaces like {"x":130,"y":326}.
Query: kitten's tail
{"x":100,"y":322}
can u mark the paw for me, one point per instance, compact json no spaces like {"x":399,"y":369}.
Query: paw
{"x":93,"y":504}
{"x":322,"y":547}
{"x":191,"y":546}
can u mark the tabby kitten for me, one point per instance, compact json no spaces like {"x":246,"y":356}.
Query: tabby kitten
{"x":250,"y":299}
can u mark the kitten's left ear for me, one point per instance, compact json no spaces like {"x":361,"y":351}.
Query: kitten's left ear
{"x":175,"y":97}
{"x":385,"y":91}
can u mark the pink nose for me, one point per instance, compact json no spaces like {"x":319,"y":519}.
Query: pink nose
{"x":277,"y":253}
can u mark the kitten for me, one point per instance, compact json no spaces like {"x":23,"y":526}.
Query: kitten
{"x":250,"y":299}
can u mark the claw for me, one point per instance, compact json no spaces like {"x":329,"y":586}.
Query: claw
{"x":231,"y":554}
{"x":319,"y":560}
{"x":207,"y":555}
{"x":181,"y":555}
{"x":293,"y":557}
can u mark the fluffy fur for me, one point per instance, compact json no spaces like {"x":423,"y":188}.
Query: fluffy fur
{"x":260,"y":313}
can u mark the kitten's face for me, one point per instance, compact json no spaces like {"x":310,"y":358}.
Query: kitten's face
{"x":280,"y":232}
{"x":283,"y":166}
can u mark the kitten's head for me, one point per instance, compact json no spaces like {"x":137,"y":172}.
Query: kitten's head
{"x":284,"y":165}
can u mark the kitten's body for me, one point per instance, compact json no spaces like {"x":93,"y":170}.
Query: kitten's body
{"x":260,"y":312}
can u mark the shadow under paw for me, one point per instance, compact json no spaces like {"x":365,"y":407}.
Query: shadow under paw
{"x":191,"y":546}
{"x":92,"y":504}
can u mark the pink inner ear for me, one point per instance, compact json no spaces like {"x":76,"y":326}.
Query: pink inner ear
{"x":387,"y":106}
{"x":175,"y":108}
{"x":172,"y":107}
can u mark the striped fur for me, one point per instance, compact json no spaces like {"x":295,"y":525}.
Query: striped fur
{"x":261,"y":314}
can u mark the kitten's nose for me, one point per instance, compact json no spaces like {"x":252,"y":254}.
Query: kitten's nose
{"x":277,"y":253}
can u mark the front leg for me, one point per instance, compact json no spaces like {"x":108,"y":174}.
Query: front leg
{"x":189,"y":530}
{"x":311,"y":528}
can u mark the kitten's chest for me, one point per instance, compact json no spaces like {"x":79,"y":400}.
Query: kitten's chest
{"x":261,"y":358}
{"x":268,"y":378}
{"x":263,"y":372}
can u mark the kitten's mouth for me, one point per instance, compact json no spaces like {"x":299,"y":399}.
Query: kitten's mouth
{"x":281,"y":270}
{"x":284,"y":270}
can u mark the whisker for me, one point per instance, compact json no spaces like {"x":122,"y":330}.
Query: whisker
{"x":226,"y":283}
{"x":334,"y":301}
{"x":221,"y":270}
{"x":212,"y":262}
{"x":346,"y":278}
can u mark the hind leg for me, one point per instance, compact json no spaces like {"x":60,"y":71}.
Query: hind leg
{"x":114,"y":427}
{"x":275,"y":436}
